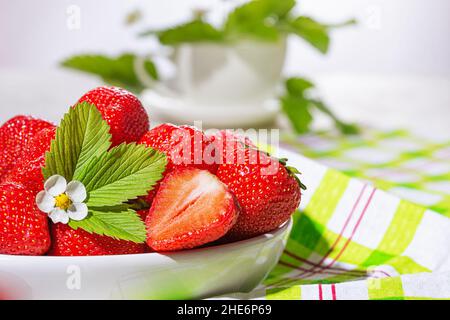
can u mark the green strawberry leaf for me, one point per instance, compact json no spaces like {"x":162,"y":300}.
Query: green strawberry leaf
{"x":118,"y":71}
{"x":298,"y":106}
{"x":345,"y":128}
{"x":116,"y":222}
{"x":111,"y":178}
{"x":82,"y":135}
{"x":122,"y":174}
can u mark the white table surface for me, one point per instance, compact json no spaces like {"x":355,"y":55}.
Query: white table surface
{"x":421,"y":104}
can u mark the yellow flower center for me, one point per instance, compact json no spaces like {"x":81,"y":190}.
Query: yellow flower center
{"x":63,"y":201}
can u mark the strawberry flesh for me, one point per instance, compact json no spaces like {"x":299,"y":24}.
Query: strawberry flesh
{"x":192,"y":208}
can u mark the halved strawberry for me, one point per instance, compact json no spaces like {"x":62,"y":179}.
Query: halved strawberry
{"x":191,"y":208}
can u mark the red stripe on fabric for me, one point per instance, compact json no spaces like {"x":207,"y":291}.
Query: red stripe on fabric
{"x":344,"y":227}
{"x":320,"y":292}
{"x":329,"y":271}
{"x":333,"y":291}
{"x":354,"y":229}
{"x":305,"y":261}
{"x":312,"y":271}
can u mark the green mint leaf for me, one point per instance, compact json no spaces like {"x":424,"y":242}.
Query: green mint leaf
{"x":297,"y":86}
{"x":312,"y":31}
{"x":122,"y":174}
{"x":117,"y":222}
{"x":345,"y":128}
{"x":297,"y":111}
{"x":82,"y":135}
{"x":258,"y":19}
{"x":347,"y":23}
{"x":118,"y":71}
{"x":194,"y":31}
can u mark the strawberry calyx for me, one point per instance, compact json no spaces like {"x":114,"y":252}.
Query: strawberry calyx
{"x":294,"y":172}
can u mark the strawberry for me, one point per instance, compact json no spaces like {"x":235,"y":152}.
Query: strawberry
{"x":267,"y":191}
{"x":23,"y":228}
{"x":28,"y":171}
{"x":14,"y":136}
{"x":184,"y":146}
{"x":229,"y":146}
{"x":192,"y":208}
{"x":69,"y":242}
{"x":122,"y":110}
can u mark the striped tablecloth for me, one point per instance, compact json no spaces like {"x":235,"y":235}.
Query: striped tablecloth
{"x":374,"y":227}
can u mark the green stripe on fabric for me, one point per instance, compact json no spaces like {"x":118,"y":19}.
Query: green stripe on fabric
{"x":292,"y":293}
{"x":324,"y":201}
{"x":348,"y":251}
{"x":305,"y":236}
{"x":308,"y":228}
{"x":424,"y":298}
{"x":385,"y":288}
{"x":399,"y":234}
{"x":406,"y":265}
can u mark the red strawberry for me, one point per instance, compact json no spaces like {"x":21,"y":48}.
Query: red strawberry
{"x":23,"y":228}
{"x":267,"y":191}
{"x":229,"y":146}
{"x":14,"y":136}
{"x":28,"y":171}
{"x":122,"y":110}
{"x":191,"y":208}
{"x":184,"y":146}
{"x":69,"y":242}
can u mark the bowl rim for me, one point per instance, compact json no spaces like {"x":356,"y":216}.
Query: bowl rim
{"x":279,"y":231}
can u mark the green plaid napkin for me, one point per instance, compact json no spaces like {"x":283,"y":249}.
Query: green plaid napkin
{"x":412,"y":167}
{"x":352,"y":240}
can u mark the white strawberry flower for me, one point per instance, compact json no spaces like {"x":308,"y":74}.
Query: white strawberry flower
{"x":63,"y":201}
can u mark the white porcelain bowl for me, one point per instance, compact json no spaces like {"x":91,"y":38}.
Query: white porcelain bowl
{"x":193,"y":274}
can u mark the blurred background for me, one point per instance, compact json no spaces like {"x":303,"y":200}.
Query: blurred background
{"x":408,"y":37}
{"x":392,"y":69}
{"x":361,"y":85}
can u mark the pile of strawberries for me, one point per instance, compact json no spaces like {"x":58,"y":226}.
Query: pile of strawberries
{"x":227,"y":197}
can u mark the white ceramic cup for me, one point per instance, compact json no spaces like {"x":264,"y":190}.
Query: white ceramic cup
{"x":225,"y":74}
